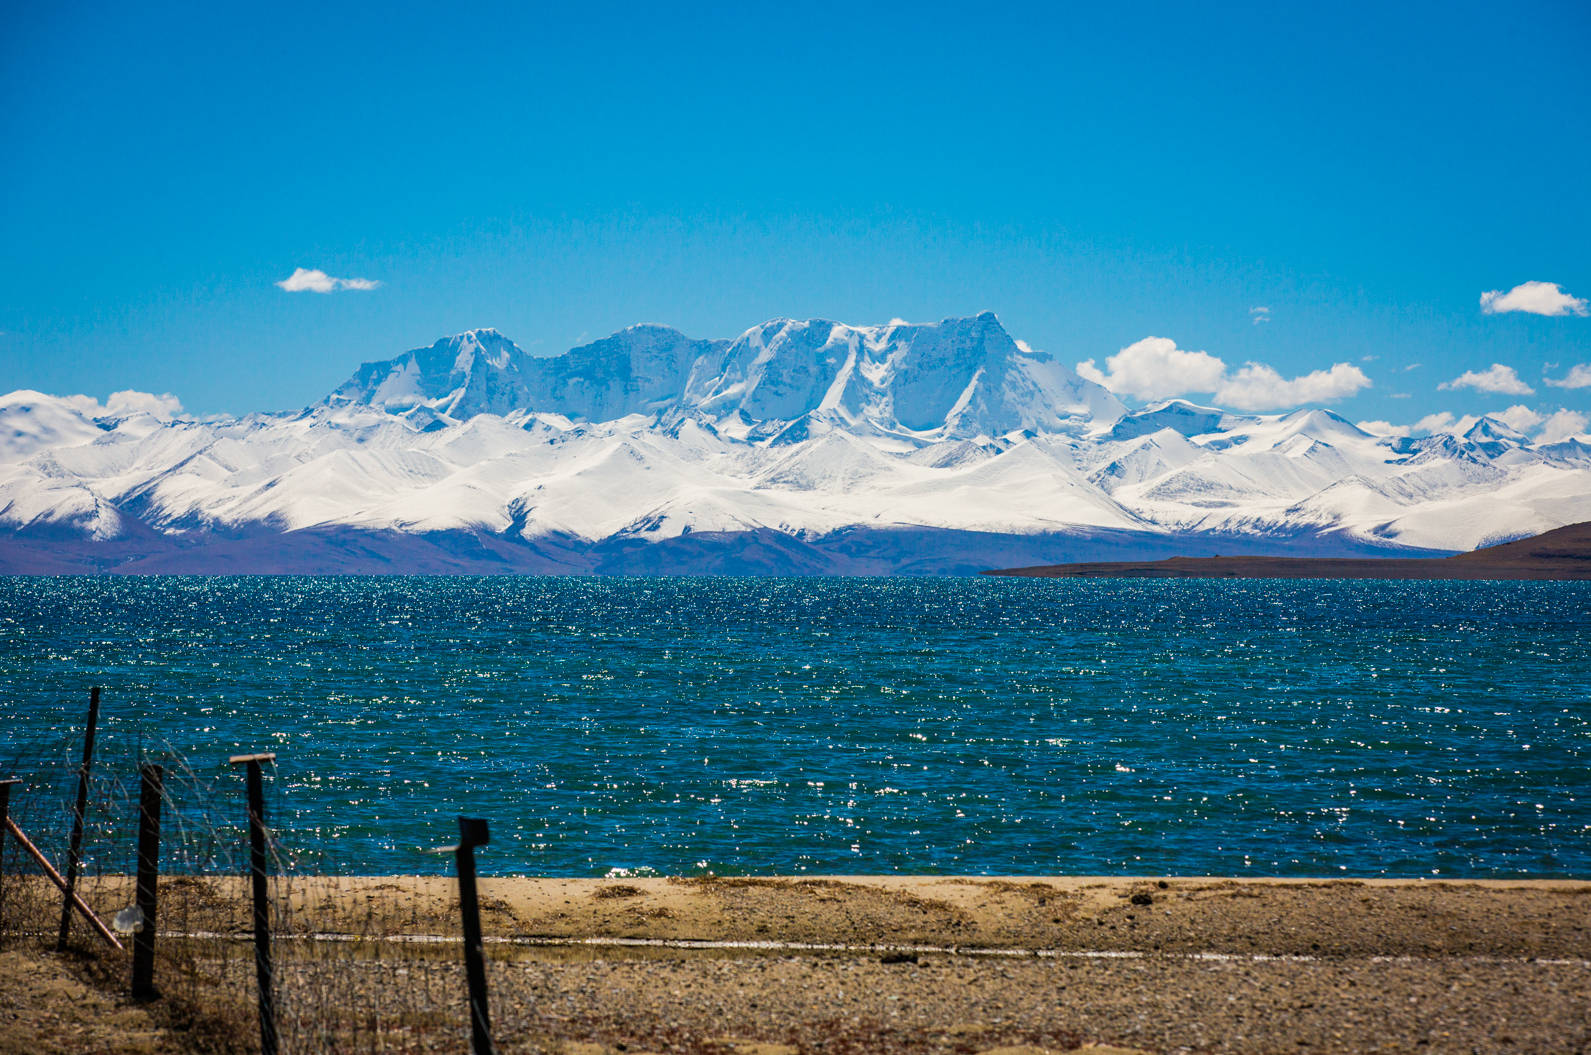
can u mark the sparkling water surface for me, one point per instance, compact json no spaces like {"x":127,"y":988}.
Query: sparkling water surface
{"x":847,"y":725}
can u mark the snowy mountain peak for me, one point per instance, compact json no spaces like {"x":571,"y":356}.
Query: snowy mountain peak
{"x":485,"y":344}
{"x":1323,"y":425}
{"x":470,"y":373}
{"x":31,"y":420}
{"x":1178,"y":415}
{"x":1488,"y":430}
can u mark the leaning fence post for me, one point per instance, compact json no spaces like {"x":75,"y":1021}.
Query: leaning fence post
{"x":150,"y":780}
{"x":74,"y":853}
{"x":262,"y":908}
{"x":473,"y":832}
{"x":5,"y":813}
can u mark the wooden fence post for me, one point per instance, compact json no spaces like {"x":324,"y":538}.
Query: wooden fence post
{"x":5,"y":813}
{"x":74,"y":853}
{"x":149,"y":792}
{"x":473,"y":832}
{"x":262,"y":905}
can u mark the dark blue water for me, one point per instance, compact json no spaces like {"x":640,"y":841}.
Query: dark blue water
{"x":848,"y":726}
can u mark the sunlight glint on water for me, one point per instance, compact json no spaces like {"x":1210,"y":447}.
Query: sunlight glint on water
{"x":852,"y":726}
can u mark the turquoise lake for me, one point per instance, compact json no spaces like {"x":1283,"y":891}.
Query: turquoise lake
{"x":836,"y":726}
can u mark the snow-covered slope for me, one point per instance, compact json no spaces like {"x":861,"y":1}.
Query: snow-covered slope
{"x":862,"y":439}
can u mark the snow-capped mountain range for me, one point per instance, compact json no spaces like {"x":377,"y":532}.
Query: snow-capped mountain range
{"x":799,"y":447}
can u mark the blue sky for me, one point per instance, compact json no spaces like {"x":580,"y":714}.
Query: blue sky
{"x":1095,"y":177}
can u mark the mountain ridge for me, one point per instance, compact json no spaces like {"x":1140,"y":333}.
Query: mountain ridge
{"x":810,"y":432}
{"x":959,"y":376}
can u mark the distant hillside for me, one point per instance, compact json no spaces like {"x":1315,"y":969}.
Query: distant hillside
{"x":1561,"y":554}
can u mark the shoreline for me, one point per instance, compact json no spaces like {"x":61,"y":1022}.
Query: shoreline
{"x":1271,"y":916}
{"x":1560,"y":555}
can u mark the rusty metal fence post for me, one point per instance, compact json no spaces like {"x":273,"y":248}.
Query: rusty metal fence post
{"x":74,"y":853}
{"x":151,"y":779}
{"x":262,"y":905}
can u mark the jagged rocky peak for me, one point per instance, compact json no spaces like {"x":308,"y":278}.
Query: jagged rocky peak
{"x":475,"y":372}
{"x":778,"y":371}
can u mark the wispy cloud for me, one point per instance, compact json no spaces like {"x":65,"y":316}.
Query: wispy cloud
{"x":1260,"y":313}
{"x":1534,"y":298}
{"x":1496,"y":378}
{"x":1155,"y":368}
{"x":1579,"y":376}
{"x":314,"y":280}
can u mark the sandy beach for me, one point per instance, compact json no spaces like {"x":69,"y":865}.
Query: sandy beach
{"x":776,"y":966}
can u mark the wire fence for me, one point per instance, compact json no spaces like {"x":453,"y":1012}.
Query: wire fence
{"x":357,"y":964}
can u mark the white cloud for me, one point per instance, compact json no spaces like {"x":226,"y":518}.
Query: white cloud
{"x":1535,"y":298}
{"x":1496,"y":378}
{"x":1412,"y":366}
{"x":1579,"y":376}
{"x":1441,"y":421}
{"x":1438,"y":422}
{"x":1260,"y":314}
{"x":128,"y":402}
{"x":1518,"y":417}
{"x":1562,"y":425}
{"x":1259,"y":387}
{"x":1155,"y":368}
{"x":314,"y":280}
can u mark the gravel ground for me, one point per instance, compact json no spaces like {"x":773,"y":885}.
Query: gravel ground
{"x":929,"y":964}
{"x":949,"y":1004}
